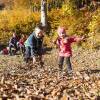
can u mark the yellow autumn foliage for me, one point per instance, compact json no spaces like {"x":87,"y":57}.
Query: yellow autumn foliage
{"x":21,"y":21}
{"x":82,"y":23}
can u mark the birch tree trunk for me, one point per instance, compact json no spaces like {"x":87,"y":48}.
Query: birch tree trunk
{"x":44,"y":13}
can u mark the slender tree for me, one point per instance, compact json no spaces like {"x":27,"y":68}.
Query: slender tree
{"x":44,"y":13}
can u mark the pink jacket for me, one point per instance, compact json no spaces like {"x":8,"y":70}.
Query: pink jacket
{"x":65,"y":49}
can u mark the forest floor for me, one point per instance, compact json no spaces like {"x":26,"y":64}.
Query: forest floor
{"x":20,"y":81}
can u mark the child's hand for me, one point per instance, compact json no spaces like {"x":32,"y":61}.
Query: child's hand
{"x":83,"y":38}
{"x":78,"y":39}
{"x":34,"y":60}
{"x":53,"y":41}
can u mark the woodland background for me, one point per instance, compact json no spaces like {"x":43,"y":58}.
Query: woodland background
{"x":81,"y":17}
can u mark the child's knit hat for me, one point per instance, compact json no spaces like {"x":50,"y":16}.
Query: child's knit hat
{"x":61,"y":30}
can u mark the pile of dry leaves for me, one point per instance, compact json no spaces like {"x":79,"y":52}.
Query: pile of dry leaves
{"x":20,"y":81}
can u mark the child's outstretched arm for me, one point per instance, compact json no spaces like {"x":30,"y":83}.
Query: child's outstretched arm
{"x":78,"y":39}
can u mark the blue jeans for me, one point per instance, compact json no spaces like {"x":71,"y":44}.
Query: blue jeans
{"x":68,"y":63}
{"x":28,"y":53}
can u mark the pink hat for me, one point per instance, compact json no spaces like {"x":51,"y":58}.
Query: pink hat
{"x":61,"y":30}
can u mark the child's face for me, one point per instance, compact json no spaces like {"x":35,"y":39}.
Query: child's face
{"x":14,"y":35}
{"x":40,"y":34}
{"x":63,"y":35}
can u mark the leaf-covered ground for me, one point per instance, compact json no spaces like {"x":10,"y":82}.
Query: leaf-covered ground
{"x":19,"y":81}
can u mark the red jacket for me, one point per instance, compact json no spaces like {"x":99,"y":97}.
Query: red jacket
{"x":64,"y":44}
{"x":21,"y":41}
{"x":5,"y":51}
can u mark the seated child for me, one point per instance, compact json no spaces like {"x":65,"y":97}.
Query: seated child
{"x":13,"y":44}
{"x":21,"y":44}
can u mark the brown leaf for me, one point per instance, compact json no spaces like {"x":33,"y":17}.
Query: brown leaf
{"x":2,"y":80}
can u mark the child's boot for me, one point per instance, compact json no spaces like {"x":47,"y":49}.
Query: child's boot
{"x":70,"y":73}
{"x":26,"y":60}
{"x":41,"y":64}
{"x":60,"y":73}
{"x":60,"y":68}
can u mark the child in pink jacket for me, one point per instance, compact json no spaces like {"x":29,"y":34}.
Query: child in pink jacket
{"x":65,"y":51}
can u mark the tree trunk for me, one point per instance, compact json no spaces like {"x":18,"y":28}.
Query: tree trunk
{"x":44,"y":13}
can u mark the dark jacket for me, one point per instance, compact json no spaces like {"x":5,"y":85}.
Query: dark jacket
{"x":34,"y":43}
{"x":37,"y":45}
{"x":13,"y":41}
